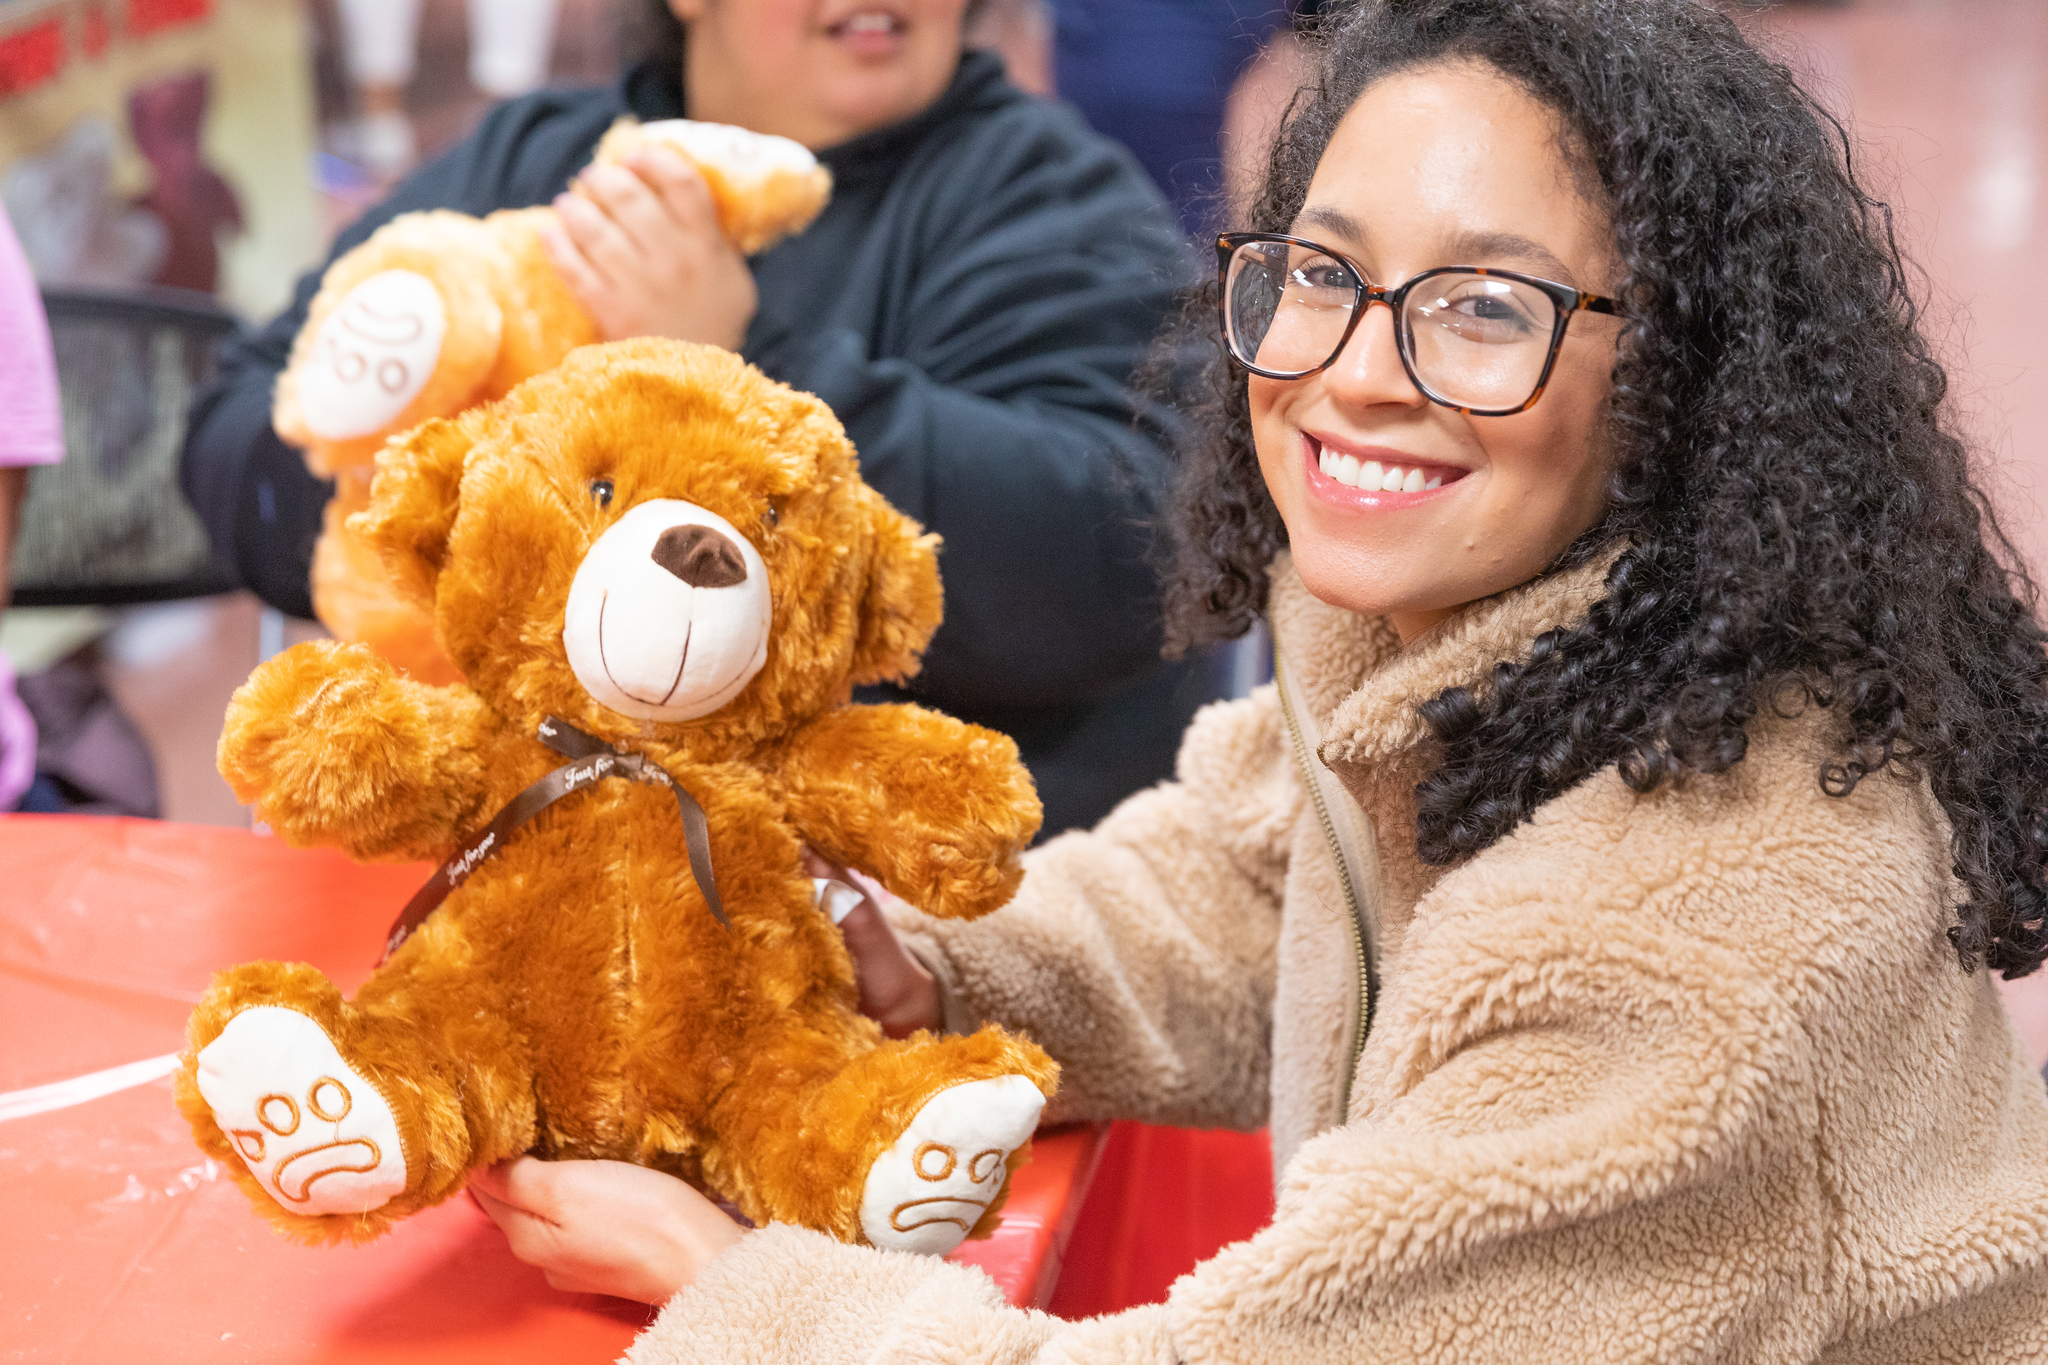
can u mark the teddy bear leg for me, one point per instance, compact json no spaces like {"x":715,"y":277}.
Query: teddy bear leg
{"x":906,"y":1145}
{"x":342,"y":1121}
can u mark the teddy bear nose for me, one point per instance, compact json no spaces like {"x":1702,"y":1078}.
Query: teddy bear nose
{"x":700,"y":557}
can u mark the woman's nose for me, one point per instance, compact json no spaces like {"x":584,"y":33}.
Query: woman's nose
{"x":1368,"y":370}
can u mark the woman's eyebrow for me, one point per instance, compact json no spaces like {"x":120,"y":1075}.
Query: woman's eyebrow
{"x":1478,"y":248}
{"x":1336,"y":220}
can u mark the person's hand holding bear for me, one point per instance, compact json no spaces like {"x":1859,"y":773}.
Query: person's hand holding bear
{"x":609,"y":1227}
{"x":640,"y":247}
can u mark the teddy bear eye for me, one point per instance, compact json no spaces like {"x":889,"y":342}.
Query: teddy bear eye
{"x":773,"y":516}
{"x":601,"y":489}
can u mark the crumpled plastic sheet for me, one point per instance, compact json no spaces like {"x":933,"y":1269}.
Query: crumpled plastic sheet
{"x":123,"y":1243}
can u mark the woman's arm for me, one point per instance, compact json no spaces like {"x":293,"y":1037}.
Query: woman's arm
{"x":1582,"y":1139}
{"x":1141,"y":954}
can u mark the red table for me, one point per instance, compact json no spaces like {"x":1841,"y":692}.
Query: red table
{"x":119,"y":1243}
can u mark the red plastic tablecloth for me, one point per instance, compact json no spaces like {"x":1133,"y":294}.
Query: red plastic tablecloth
{"x":119,"y":1243}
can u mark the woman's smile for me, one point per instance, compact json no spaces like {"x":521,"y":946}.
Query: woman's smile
{"x":1367,"y":478}
{"x":871,"y":32}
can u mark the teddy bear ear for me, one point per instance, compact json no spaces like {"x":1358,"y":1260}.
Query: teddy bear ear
{"x":903,"y":602}
{"x":414,"y":498}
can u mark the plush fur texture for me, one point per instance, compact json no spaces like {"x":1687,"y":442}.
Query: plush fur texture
{"x":509,"y":316}
{"x":574,"y":997}
{"x":1687,"y":1076}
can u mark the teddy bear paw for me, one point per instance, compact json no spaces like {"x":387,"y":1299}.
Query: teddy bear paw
{"x":372,"y":355}
{"x":927,"y":1192}
{"x":315,"y":1134}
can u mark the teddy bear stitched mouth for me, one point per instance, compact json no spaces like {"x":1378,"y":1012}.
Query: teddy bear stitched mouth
{"x":681,"y":664}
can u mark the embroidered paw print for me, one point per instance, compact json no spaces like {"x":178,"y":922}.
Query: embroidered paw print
{"x":316,"y":1135}
{"x":372,"y":355}
{"x":927,"y":1191}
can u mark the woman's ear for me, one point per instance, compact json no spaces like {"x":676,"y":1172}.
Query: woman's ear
{"x":414,"y":498}
{"x":903,"y":602}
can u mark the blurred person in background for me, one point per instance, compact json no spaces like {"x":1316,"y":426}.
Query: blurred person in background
{"x":31,"y":433}
{"x":971,"y":305}
{"x":509,"y":44}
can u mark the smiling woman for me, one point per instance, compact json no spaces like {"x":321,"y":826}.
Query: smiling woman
{"x":1597,"y":906}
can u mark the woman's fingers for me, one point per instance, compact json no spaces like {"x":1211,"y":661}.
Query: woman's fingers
{"x":604,"y":1227}
{"x":678,"y":185}
{"x":599,"y":237}
{"x":896,"y":991}
{"x":643,"y":217}
{"x":573,"y":266}
{"x":641,"y":249}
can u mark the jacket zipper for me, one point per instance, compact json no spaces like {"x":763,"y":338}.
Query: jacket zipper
{"x":1357,"y":859}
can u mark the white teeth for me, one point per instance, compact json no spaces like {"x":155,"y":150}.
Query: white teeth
{"x":1373,"y":476}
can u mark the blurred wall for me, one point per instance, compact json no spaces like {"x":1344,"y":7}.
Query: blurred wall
{"x":197,"y":114}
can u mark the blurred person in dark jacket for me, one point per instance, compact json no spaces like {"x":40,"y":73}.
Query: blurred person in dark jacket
{"x":971,"y":304}
{"x":1157,"y":76}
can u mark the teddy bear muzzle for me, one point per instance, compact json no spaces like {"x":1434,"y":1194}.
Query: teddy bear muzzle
{"x":668,"y":614}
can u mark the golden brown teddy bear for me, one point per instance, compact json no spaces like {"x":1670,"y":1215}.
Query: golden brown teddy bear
{"x":437,"y":311}
{"x":656,"y":561}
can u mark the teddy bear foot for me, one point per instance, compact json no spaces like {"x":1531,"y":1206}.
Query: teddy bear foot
{"x":925,"y":1193}
{"x":316,"y":1135}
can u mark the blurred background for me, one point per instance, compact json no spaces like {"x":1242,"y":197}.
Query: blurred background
{"x":172,"y":166}
{"x":213,"y":147}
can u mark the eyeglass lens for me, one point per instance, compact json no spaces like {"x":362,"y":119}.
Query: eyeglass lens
{"x":1475,"y":341}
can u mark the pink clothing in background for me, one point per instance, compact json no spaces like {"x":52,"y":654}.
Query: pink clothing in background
{"x":31,"y":426}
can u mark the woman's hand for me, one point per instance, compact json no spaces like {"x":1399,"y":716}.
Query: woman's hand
{"x":895,"y":989}
{"x":641,"y":250}
{"x":605,"y":1227}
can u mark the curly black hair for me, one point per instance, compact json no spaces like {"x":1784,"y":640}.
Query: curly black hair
{"x":1800,"y":521}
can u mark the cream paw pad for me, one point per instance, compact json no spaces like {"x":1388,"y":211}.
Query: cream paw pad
{"x":765,"y":187}
{"x":315,"y":1134}
{"x":926,"y":1193}
{"x":372,"y":355}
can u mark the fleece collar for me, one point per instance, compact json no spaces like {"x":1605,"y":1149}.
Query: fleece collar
{"x":1364,"y":687}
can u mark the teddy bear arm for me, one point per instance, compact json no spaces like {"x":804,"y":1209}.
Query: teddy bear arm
{"x":938,"y":810}
{"x":332,"y":746}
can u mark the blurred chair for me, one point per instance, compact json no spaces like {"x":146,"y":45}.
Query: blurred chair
{"x":109,"y":526}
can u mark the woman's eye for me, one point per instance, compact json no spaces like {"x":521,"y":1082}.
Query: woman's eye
{"x":601,"y":489}
{"x":1486,"y":312}
{"x":1322,"y":275}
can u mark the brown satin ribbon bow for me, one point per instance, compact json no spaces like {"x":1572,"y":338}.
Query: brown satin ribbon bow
{"x":590,"y":761}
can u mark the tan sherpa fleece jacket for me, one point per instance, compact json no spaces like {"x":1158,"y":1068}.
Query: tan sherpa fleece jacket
{"x":1691,"y":1076}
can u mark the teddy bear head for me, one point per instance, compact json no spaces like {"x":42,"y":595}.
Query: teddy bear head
{"x":654,"y":540}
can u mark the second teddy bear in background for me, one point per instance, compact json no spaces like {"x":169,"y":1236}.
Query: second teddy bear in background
{"x":439,"y":311}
